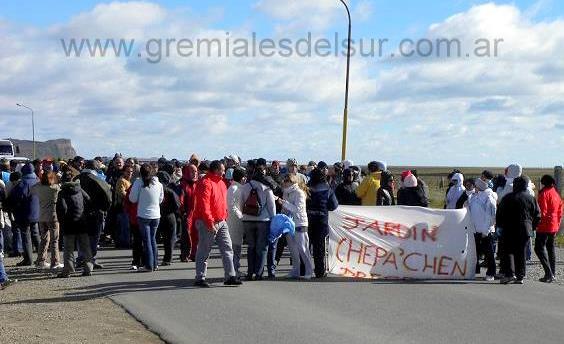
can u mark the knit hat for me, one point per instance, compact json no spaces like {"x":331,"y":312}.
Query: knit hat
{"x":27,"y":169}
{"x":404,"y":174}
{"x":410,"y":181}
{"x":291,"y":162}
{"x":195,"y":159}
{"x":480,"y":184}
{"x":321,"y":165}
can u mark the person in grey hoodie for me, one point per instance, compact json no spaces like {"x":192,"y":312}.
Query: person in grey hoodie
{"x":257,"y":226}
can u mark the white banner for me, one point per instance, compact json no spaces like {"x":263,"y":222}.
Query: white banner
{"x":401,"y":243}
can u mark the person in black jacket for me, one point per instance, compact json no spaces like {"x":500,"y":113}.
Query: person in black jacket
{"x":345,"y":191}
{"x":385,"y":194}
{"x":320,"y":202}
{"x":72,"y":203}
{"x":100,"y":202}
{"x":518,"y":215}
{"x":170,"y":211}
{"x":411,"y":194}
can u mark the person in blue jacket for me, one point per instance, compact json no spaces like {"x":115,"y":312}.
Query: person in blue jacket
{"x":321,"y":201}
{"x":25,"y":208}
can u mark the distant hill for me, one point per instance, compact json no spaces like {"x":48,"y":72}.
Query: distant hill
{"x":59,"y":148}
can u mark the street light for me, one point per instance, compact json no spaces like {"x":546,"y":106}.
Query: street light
{"x":32,"y":125}
{"x":346,"y":111}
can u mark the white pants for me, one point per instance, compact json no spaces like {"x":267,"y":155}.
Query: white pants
{"x":299,"y":248}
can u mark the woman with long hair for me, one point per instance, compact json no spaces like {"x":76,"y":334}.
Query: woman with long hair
{"x":294,"y":205}
{"x":148,"y":193}
{"x":47,"y":191}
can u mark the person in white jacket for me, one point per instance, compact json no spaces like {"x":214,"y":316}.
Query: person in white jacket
{"x":482,"y":207}
{"x":257,"y":226}
{"x":236,"y":229}
{"x":511,"y":172}
{"x":294,"y":205}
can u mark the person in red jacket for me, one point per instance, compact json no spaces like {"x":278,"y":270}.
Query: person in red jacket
{"x":210,"y":215}
{"x":551,"y":208}
{"x":189,"y":234}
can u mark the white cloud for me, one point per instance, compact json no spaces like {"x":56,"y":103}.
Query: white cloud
{"x":420,"y":111}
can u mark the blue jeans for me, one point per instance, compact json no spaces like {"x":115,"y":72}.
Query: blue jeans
{"x":257,"y":238}
{"x":17,"y":244}
{"x":148,"y":230}
{"x":3,"y":276}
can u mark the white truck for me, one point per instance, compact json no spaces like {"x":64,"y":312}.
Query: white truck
{"x":8,"y":151}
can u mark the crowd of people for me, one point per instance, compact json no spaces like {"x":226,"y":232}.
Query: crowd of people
{"x":195,"y":204}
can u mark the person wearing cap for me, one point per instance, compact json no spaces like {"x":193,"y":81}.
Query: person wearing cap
{"x":368,"y":188}
{"x":76,"y":165}
{"x":482,"y":207}
{"x":293,"y":168}
{"x":518,"y":216}
{"x":100,"y":202}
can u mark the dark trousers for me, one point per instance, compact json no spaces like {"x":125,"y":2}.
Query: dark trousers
{"x":96,"y":222}
{"x":17,"y":245}
{"x":280,"y":248}
{"x":185,"y":242}
{"x":136,"y":245}
{"x":318,"y":235}
{"x":485,"y":245}
{"x":514,"y":258}
{"x":271,"y":258}
{"x":544,"y":248}
{"x":30,"y":238}
{"x":257,"y":249}
{"x":167,"y":229}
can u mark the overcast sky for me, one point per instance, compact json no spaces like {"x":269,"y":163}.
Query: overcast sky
{"x":407,"y":111}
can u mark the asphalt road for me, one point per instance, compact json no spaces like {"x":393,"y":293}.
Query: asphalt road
{"x":330,"y":311}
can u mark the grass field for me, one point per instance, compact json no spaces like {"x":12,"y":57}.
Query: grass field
{"x":436,"y":178}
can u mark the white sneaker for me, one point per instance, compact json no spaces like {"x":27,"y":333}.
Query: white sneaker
{"x":43,"y":265}
{"x":490,"y":278}
{"x":57,"y":267}
{"x":307,"y":277}
{"x":133,"y":268}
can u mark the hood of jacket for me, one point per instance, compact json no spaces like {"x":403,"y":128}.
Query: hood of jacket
{"x":71,"y":187}
{"x":514,"y":171}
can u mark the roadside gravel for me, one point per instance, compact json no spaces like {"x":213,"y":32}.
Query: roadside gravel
{"x":39,"y":309}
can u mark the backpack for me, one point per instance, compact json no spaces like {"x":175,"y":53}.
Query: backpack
{"x":252,"y":206}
